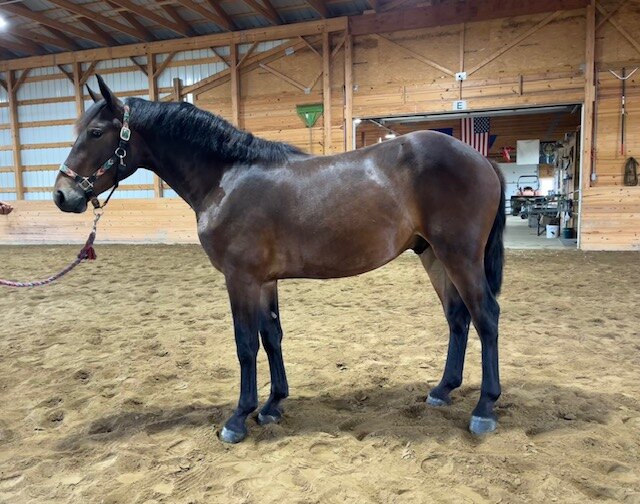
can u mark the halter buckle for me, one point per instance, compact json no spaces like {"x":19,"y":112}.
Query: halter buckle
{"x":121,"y":153}
{"x":85,"y":184}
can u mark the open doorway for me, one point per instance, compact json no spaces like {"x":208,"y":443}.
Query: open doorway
{"x":538,"y":150}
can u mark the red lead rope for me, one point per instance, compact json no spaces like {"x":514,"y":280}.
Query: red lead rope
{"x":87,"y":252}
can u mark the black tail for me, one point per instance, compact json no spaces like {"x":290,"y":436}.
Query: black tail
{"x":494,"y":251}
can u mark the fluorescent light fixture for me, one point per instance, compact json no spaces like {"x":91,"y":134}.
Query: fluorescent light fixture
{"x":3,"y":22}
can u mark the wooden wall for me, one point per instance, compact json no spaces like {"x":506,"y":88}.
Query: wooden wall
{"x":610,"y":211}
{"x":520,"y":61}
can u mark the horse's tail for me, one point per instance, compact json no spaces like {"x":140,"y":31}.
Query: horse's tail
{"x":494,"y":250}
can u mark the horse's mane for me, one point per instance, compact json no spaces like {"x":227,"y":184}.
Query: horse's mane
{"x":204,"y":133}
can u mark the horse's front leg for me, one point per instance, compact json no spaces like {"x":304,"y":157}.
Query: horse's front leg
{"x":271,"y":333}
{"x":244,"y":294}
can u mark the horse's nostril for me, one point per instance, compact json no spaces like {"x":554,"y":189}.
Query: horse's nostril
{"x":59,"y":197}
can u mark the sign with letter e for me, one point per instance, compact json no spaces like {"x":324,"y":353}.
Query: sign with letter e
{"x":460,"y":105}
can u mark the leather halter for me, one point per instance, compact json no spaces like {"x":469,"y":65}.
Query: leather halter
{"x":86,"y":183}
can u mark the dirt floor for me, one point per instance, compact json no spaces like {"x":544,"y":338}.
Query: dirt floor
{"x":114,"y":381}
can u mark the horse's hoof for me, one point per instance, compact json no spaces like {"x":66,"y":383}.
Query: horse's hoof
{"x":229,"y":436}
{"x":267,"y":419}
{"x":481,"y":425}
{"x":434,"y":401}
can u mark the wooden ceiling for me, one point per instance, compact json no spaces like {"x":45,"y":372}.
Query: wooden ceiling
{"x":36,"y":27}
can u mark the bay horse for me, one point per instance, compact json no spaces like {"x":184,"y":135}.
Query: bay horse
{"x":267,"y":211}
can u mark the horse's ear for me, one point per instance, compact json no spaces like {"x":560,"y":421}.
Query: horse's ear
{"x":93,"y":95}
{"x":112,"y":100}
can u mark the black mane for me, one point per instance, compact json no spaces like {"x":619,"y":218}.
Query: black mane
{"x":204,"y":133}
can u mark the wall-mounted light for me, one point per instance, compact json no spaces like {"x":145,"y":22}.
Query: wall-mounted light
{"x":389,"y":136}
{"x":3,"y":22}
{"x":357,"y":121}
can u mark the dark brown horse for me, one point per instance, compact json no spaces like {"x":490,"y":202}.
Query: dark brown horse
{"x":266,"y":211}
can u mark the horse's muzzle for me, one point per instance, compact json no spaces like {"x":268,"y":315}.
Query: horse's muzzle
{"x":69,"y":200}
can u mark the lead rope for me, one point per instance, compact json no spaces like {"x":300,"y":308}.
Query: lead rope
{"x":87,"y":252}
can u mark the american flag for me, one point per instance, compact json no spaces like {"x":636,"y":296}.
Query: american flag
{"x":475,"y":132}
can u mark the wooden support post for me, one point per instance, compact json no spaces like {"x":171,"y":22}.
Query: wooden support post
{"x":177,"y":89}
{"x":235,"y":86}
{"x":12,"y":90}
{"x":326,"y":90}
{"x":348,"y":92}
{"x":589,"y":97}
{"x":158,"y":190}
{"x":77,"y":88}
{"x":463,"y":29}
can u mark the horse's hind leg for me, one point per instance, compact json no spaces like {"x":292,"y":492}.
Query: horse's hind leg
{"x":271,"y":333}
{"x":458,"y":319}
{"x":468,"y":275}
{"x":244,"y":294}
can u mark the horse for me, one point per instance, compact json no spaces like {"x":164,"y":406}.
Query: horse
{"x":267,"y":211}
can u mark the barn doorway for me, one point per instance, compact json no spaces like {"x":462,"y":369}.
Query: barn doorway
{"x":538,"y":150}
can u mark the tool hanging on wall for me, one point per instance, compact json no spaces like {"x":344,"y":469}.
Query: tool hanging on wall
{"x":624,"y":77}
{"x":631,"y":172}
{"x":309,"y":115}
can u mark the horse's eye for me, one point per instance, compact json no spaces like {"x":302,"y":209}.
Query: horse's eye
{"x":96,"y":133}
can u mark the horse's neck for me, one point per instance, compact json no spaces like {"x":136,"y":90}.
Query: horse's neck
{"x":188,"y":174}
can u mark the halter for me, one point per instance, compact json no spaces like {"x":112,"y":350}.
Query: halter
{"x":86,"y":183}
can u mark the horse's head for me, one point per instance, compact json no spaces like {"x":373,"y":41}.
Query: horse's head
{"x":102,"y":155}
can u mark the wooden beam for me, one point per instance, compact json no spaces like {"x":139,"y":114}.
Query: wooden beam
{"x":223,"y":23}
{"x":620,"y":28}
{"x":326,"y":91}
{"x":313,"y":49}
{"x":269,"y":13}
{"x":393,"y":4}
{"x":219,"y":56}
{"x":450,"y":13}
{"x":77,"y":88}
{"x":68,"y":75}
{"x":177,"y":88}
{"x":133,"y":21}
{"x":285,"y":78}
{"x":177,"y":18}
{"x":419,"y":57}
{"x":151,"y":16}
{"x":589,"y":102}
{"x":604,"y":18}
{"x":221,"y":12}
{"x":251,"y":64}
{"x":64,"y":38}
{"x":348,"y":92}
{"x":319,"y":7}
{"x":97,"y":17}
{"x":252,"y":48}
{"x":88,"y":73}
{"x":187,"y":44}
{"x":160,"y":68}
{"x":12,"y":91}
{"x":25,"y":47}
{"x":39,"y":37}
{"x":158,"y":189}
{"x":107,"y":39}
{"x":141,"y":67}
{"x":24,"y":12}
{"x":545,"y":21}
{"x":3,"y":85}
{"x":235,"y":86}
{"x":20,"y":81}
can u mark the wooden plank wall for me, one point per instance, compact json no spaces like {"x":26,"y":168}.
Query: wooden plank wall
{"x":154,"y":220}
{"x":411,"y":72}
{"x":610,"y":211}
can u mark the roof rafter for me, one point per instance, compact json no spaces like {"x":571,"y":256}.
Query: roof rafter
{"x":19,"y":10}
{"x":150,"y":15}
{"x":106,"y":38}
{"x":175,"y":15}
{"x":206,"y":14}
{"x":221,"y":12}
{"x":319,"y":7}
{"x":265,"y":10}
{"x":40,"y":38}
{"x":133,"y":21}
{"x":25,"y":46}
{"x":97,"y":17}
